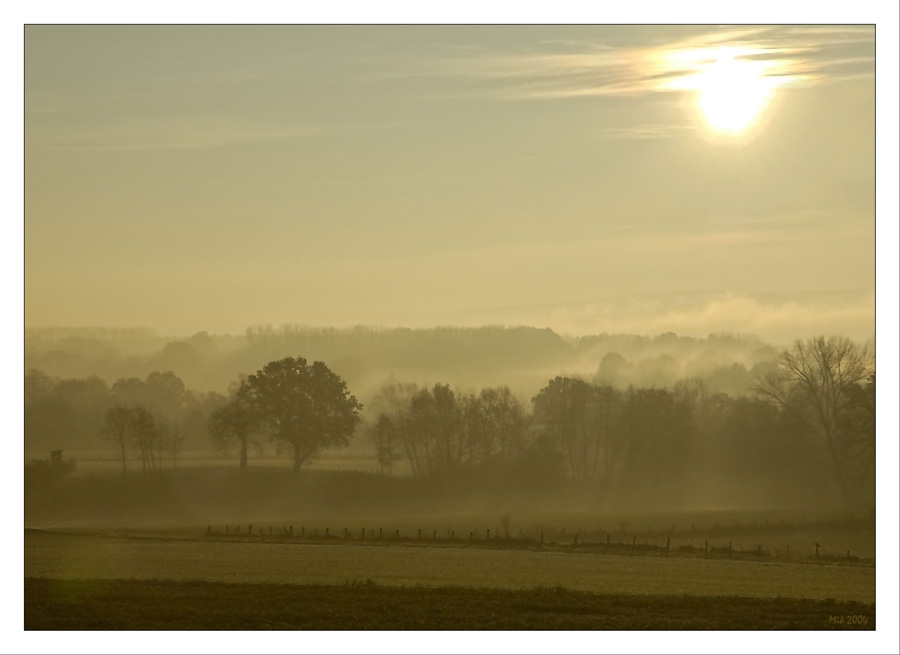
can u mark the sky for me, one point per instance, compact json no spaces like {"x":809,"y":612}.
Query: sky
{"x":585,"y":178}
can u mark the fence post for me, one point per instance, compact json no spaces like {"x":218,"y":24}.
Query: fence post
{"x":668,"y":540}
{"x":270,"y":530}
{"x":434,"y":535}
{"x":488,"y":534}
{"x":292,"y":530}
{"x":326,"y":533}
{"x":250,"y":528}
{"x":542,"y":536}
{"x":208,"y":530}
{"x":396,"y":534}
{"x":452,"y":535}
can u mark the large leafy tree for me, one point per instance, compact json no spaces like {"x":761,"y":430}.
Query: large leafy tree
{"x":306,"y":407}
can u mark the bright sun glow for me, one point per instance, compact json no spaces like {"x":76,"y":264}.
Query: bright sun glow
{"x":733,"y":93}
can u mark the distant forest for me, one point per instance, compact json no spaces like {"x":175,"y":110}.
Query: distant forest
{"x":520,"y":357}
{"x":650,"y":419}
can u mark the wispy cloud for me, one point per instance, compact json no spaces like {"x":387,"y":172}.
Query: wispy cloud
{"x":795,"y":55}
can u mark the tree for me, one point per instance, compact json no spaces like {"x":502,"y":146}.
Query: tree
{"x":116,"y":428}
{"x":657,"y":426}
{"x":393,"y":400}
{"x":146,"y":436}
{"x":815,"y":382}
{"x":384,"y":436}
{"x":38,"y":385}
{"x":580,"y":419}
{"x":235,"y":423}
{"x":436,"y":424}
{"x":306,"y":408}
{"x":857,"y":435}
{"x":504,"y":423}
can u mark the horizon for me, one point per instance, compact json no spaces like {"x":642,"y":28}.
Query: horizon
{"x":623,"y":315}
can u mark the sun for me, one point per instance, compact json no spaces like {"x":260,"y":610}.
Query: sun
{"x":733,"y":93}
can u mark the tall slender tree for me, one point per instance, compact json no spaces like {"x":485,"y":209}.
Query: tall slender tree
{"x":815,"y":383}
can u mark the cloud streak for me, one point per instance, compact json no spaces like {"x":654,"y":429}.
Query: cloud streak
{"x":795,"y":55}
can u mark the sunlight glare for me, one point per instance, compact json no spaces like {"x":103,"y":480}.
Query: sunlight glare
{"x":733,"y":93}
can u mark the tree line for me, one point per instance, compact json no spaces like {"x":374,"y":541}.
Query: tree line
{"x":808,"y":425}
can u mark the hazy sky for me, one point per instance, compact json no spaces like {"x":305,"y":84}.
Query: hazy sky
{"x":209,"y":178}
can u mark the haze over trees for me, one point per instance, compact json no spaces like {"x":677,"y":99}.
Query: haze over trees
{"x":521,"y":358}
{"x":803,"y":435}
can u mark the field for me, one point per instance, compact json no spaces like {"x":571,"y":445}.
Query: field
{"x":193,"y":605}
{"x":208,"y":547}
{"x":422,"y":583}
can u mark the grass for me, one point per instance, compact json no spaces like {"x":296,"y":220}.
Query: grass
{"x":129,"y":604}
{"x":404,"y":563}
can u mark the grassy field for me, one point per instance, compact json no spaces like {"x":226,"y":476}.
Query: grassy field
{"x":260,"y":561}
{"x":193,"y":605}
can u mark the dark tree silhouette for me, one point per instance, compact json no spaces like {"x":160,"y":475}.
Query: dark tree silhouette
{"x":657,"y":426}
{"x":579,"y":418}
{"x":436,"y":423}
{"x":146,"y":436}
{"x":306,"y":407}
{"x":116,"y":429}
{"x":235,"y":423}
{"x":393,"y":400}
{"x":813,"y":383}
{"x":384,"y":435}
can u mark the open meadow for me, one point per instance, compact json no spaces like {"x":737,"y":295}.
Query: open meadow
{"x":714,"y":590}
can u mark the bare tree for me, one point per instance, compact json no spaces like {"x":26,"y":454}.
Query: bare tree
{"x":236,"y":422}
{"x":384,"y":436}
{"x":813,"y":383}
{"x":116,"y":429}
{"x":146,"y":435}
{"x":393,"y":400}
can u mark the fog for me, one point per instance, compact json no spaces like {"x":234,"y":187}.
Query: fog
{"x":453,"y":421}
